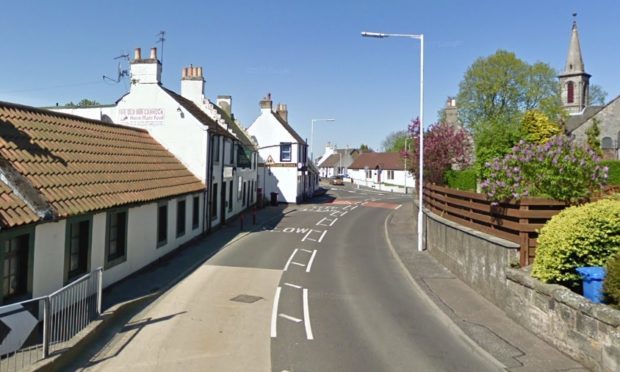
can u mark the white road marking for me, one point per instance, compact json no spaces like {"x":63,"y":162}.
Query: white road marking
{"x":333,"y":222}
{"x":306,"y":250}
{"x":296,"y":320}
{"x":310,"y":262}
{"x":343,"y":213}
{"x":305,"y":236}
{"x":309,"y":335}
{"x":290,"y":259}
{"x":322,"y":235}
{"x":293,"y":285}
{"x":321,"y":221}
{"x":355,"y":207}
{"x":399,"y":205}
{"x":274,"y":313}
{"x":298,"y":264}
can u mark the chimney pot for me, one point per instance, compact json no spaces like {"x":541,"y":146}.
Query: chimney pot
{"x":183,"y":72}
{"x":137,"y":54}
{"x":200,"y":71}
{"x":153,"y":53}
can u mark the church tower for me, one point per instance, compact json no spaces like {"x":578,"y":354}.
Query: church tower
{"x":574,"y":81}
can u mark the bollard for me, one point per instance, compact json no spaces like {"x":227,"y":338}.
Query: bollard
{"x":241,"y":221}
{"x":254,"y":216}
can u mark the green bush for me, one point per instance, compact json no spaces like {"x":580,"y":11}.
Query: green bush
{"x":586,"y":235}
{"x":611,"y":286}
{"x":613,"y":173}
{"x":461,"y":179}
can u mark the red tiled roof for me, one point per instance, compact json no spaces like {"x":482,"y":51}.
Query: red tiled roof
{"x":385,"y":160}
{"x":79,"y":165}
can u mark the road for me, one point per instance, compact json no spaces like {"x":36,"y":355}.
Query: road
{"x":318,"y":291}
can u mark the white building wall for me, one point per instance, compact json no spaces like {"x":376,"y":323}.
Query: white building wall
{"x":49,"y":257}
{"x":401,"y":179}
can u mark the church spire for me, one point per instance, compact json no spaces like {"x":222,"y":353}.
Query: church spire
{"x":574,"y":61}
{"x":575,"y":82}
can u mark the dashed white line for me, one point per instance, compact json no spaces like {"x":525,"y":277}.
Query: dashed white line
{"x":333,"y":222}
{"x":296,"y":320}
{"x":310,"y":262}
{"x":399,"y":205}
{"x":320,"y":222}
{"x":293,"y":285}
{"x":298,"y":264}
{"x":343,"y":213}
{"x":309,"y":335}
{"x":290,"y":259}
{"x":306,"y":250}
{"x":305,"y":236}
{"x":322,"y":235}
{"x":274,"y":313}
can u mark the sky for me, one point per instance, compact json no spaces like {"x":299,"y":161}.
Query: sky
{"x":307,"y":54}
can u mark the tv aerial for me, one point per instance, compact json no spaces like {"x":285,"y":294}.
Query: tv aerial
{"x":120,"y":73}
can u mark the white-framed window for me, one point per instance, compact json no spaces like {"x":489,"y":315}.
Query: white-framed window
{"x":368,"y":173}
{"x":285,"y":152}
{"x":390,"y":174}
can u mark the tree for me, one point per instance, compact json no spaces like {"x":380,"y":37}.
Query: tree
{"x":495,"y":93}
{"x":538,"y":128}
{"x":365,"y":148}
{"x":83,"y":103}
{"x":445,"y":146}
{"x":597,"y":95}
{"x":592,"y":134}
{"x":395,"y":141}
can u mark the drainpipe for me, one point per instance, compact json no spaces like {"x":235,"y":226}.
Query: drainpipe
{"x":208,"y":179}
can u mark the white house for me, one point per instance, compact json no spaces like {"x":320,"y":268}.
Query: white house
{"x":77,"y":194}
{"x":336,"y":161}
{"x":381,"y":170}
{"x":284,"y":155}
{"x":198,"y":133}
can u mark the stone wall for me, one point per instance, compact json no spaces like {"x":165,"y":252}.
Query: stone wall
{"x":590,"y":333}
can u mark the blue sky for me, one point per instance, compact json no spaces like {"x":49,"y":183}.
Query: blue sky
{"x":307,"y":54}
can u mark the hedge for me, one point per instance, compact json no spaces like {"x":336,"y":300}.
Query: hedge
{"x":461,"y":179}
{"x":613,"y":177}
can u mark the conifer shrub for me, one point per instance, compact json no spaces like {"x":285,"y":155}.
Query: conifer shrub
{"x":586,"y":235}
{"x":611,"y":286}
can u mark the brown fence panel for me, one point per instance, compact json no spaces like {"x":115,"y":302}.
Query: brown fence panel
{"x":518,"y":222}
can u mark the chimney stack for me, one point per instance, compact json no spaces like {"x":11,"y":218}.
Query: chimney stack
{"x":225,"y":103}
{"x":282,"y":111}
{"x":145,"y":71}
{"x":266,"y":103}
{"x":193,"y":84}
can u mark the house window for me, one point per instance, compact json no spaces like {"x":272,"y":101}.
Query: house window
{"x":368,"y":173}
{"x":195,"y":212}
{"x":285,"y":152}
{"x":162,"y":224}
{"x":215,"y":148}
{"x":570,"y":92}
{"x":116,"y":237}
{"x":607,"y":143}
{"x":16,"y":254}
{"x":78,"y":247}
{"x":232,"y":152}
{"x":214,"y":202}
{"x":390,"y":174}
{"x":180,"y":218}
{"x":244,"y":197}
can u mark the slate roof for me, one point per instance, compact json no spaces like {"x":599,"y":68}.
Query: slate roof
{"x":575,"y":121}
{"x":70,"y":165}
{"x":385,"y":160}
{"x":241,"y":135}
{"x":331,"y":161}
{"x":196,"y":112}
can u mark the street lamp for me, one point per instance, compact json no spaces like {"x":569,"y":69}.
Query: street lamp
{"x":312,"y":134}
{"x":421,"y":151}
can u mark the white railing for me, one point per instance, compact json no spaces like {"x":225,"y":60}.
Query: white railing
{"x":34,"y":329}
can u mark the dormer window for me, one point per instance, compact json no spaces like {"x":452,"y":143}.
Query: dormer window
{"x":570,"y":92}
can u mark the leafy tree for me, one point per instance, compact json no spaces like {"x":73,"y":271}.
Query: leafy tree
{"x":444,"y":146}
{"x":597,"y":95}
{"x":83,"y":103}
{"x":395,"y":141}
{"x":592,"y":134}
{"x":538,"y":128}
{"x":495,"y":93}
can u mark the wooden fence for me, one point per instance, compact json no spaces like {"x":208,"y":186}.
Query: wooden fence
{"x":516,"y":222}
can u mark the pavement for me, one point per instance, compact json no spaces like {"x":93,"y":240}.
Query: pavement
{"x":485,"y":325}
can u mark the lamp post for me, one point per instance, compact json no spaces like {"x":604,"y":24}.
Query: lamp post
{"x":405,"y":166}
{"x":421,"y":151}
{"x":312,"y":134}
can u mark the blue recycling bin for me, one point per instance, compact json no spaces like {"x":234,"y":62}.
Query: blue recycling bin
{"x":593,"y":277}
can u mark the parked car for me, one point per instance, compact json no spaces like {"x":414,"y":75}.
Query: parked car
{"x":337,"y":180}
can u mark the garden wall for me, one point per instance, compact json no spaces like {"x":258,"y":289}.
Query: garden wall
{"x":590,"y":333}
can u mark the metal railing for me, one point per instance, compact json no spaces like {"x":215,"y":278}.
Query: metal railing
{"x":34,"y":329}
